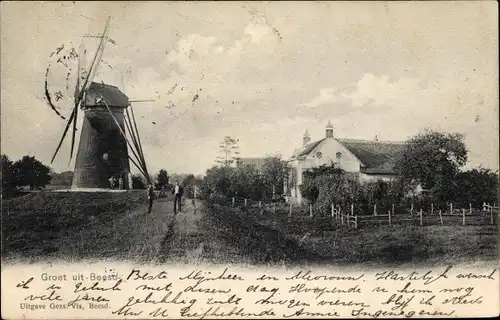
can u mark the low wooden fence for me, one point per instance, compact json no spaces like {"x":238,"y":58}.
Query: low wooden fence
{"x":348,"y":217}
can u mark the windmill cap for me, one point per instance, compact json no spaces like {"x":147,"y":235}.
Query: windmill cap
{"x":110,"y":94}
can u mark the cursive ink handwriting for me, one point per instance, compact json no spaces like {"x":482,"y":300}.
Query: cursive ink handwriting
{"x":24,"y":284}
{"x":79,"y":287}
{"x":428,"y":278}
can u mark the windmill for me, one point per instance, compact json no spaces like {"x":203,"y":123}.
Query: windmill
{"x":104,"y":146}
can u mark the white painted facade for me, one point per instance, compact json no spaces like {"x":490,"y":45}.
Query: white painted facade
{"x":328,"y":151}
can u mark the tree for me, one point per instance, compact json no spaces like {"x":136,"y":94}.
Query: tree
{"x":431,"y":160}
{"x":476,"y":186}
{"x":30,"y":172}
{"x":246,"y":183}
{"x":217,"y":181}
{"x":229,"y":152}
{"x":274,"y":174}
{"x":8,"y":181}
{"x":162,"y":179}
{"x":191,"y":180}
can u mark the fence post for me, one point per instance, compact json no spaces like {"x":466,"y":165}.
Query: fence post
{"x":355,"y":222}
{"x":411,"y":209}
{"x":432,"y":208}
{"x":332,"y":210}
{"x":260,"y":204}
{"x":245,"y":202}
{"x":389,"y":217}
{"x":375,"y":209}
{"x":440,"y":217}
{"x":310,"y":210}
{"x":352,"y":209}
{"x":342,"y":219}
{"x":451,"y":208}
{"x":393,"y":208}
{"x":421,"y":220}
{"x":233,"y":202}
{"x":290,"y":211}
{"x":470,"y":208}
{"x":491,"y":216}
{"x":463,"y":217}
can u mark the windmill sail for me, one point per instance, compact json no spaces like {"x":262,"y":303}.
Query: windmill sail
{"x":64,"y":134}
{"x":97,"y":58}
{"x":77,"y":100}
{"x":82,"y":72}
{"x":81,"y":92}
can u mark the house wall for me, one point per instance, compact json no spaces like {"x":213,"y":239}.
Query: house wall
{"x":329,"y":149}
{"x":366,"y":178}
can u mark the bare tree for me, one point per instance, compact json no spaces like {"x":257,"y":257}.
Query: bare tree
{"x":229,"y":152}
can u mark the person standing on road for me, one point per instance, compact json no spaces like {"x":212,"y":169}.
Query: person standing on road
{"x":120,"y":183}
{"x":195,"y":194}
{"x":112,"y":182}
{"x":151,"y":195}
{"x":177,"y":191}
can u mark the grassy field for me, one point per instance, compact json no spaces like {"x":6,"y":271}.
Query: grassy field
{"x":323,"y":240}
{"x":89,"y":226}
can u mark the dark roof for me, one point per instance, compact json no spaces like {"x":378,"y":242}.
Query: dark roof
{"x":111,"y":94}
{"x":257,"y":162}
{"x":376,"y":156}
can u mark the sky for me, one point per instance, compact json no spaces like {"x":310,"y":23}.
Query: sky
{"x":261,"y":72}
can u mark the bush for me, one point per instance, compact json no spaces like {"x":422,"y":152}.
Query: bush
{"x":328,"y":186}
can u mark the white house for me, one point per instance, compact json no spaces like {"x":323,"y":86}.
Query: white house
{"x":369,"y":160}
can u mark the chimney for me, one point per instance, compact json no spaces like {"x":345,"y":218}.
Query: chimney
{"x":306,"y":139}
{"x":329,"y":130}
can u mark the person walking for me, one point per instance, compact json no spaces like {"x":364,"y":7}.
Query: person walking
{"x":151,"y":195}
{"x":177,"y":191}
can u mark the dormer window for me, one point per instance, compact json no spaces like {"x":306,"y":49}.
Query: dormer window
{"x":319,"y":155}
{"x":339,"y":155}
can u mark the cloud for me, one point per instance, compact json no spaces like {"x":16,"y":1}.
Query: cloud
{"x":396,"y":109}
{"x":326,"y":95}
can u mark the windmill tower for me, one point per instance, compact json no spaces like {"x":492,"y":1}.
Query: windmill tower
{"x":103,"y":150}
